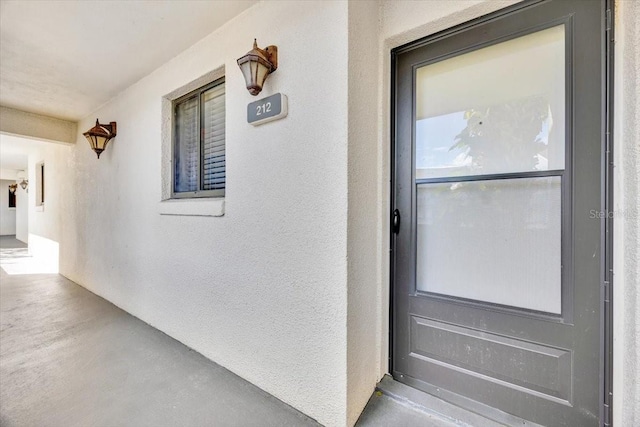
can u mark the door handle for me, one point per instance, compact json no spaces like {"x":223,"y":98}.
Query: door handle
{"x":395,"y":221}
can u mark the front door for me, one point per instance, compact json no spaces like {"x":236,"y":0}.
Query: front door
{"x":497,"y":256}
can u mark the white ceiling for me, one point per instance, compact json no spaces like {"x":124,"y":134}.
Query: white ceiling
{"x":66,"y":58}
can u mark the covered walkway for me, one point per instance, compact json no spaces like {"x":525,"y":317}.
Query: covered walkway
{"x":70,"y":358}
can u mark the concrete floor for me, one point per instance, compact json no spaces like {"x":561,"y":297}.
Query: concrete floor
{"x":70,"y":358}
{"x":399,"y":405}
{"x":10,"y":242}
{"x":385,"y":411}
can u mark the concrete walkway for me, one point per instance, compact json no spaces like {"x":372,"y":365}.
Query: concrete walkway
{"x":69,"y":358}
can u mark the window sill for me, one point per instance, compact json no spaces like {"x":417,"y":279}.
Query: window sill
{"x":40,"y":208}
{"x":192,"y":207}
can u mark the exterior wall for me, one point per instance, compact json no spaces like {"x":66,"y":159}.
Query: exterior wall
{"x":364,"y":219}
{"x":404,"y":21}
{"x":626,"y":251}
{"x":7,"y":215}
{"x":45,"y":222}
{"x":262,"y":289}
{"x":22,"y":215}
{"x":290,"y":287}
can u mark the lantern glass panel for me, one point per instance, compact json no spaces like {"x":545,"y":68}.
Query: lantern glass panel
{"x":101,"y":141}
{"x":262,"y":74}
{"x":254,"y":72}
{"x":246,"y":72}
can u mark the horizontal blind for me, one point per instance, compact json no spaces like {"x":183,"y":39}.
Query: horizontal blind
{"x":213,"y":146}
{"x":187,"y":142}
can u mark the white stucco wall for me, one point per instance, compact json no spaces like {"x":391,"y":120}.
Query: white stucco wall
{"x":261,"y":290}
{"x":45,"y":222}
{"x":364,"y":221}
{"x":7,"y":215}
{"x":404,"y":21}
{"x":22,"y":215}
{"x":626,"y":279}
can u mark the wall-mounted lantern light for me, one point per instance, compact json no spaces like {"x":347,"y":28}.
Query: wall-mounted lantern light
{"x":100,"y":135}
{"x":256,"y":65}
{"x":22,"y":177}
{"x":13,"y":188}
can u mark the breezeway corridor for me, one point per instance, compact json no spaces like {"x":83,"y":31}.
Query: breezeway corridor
{"x":352,"y":213}
{"x":70,"y":358}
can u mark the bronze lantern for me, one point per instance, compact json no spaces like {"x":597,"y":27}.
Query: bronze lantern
{"x":100,"y":135}
{"x":256,"y":65}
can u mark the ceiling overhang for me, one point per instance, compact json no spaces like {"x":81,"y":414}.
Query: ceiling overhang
{"x":65,"y":59}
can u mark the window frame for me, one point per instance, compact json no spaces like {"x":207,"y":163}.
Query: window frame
{"x":198,"y":194}
{"x":40,"y":184}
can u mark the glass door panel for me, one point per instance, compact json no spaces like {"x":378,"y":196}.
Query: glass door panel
{"x":495,"y":112}
{"x":496,"y":241}
{"x":498,"y":109}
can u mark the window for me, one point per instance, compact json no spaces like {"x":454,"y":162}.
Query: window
{"x":12,"y":195}
{"x":40,"y":184}
{"x":199,"y":142}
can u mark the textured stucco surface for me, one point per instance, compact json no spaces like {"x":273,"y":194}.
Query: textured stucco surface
{"x":404,"y":21}
{"x":363,"y":295}
{"x":45,"y":222}
{"x":30,"y":125}
{"x":626,"y":298}
{"x":261,"y":290}
{"x":22,"y":215}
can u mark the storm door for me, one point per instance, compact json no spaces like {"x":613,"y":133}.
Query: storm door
{"x":498,"y":160}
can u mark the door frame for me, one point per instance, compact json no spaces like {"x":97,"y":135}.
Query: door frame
{"x":607,"y":184}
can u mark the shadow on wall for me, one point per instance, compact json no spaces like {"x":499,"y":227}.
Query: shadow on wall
{"x":41,"y":257}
